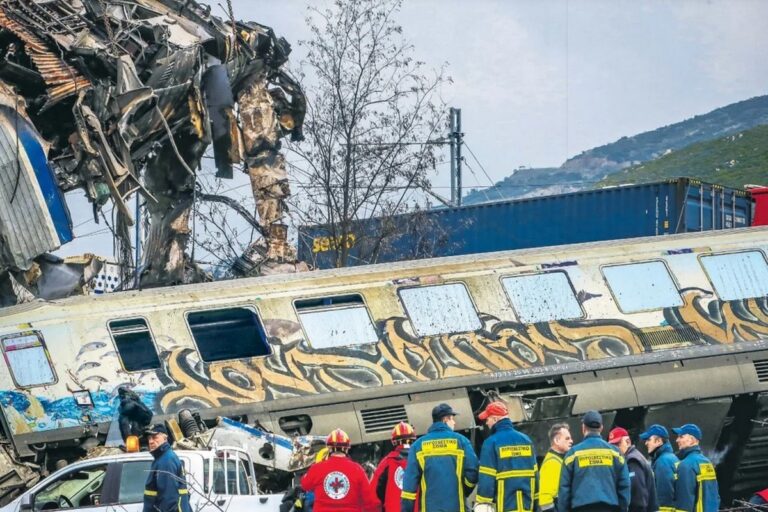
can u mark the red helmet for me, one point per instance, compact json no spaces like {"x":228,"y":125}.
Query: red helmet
{"x":402,"y":432}
{"x":338,"y":439}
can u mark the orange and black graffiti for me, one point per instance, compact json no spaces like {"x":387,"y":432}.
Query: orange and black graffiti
{"x":294,"y":369}
{"x":720,"y":322}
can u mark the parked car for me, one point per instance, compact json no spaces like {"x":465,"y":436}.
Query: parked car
{"x":221,"y":479}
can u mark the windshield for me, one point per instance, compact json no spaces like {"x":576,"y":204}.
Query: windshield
{"x":81,"y":488}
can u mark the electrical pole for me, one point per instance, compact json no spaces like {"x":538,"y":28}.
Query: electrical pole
{"x":456,"y":141}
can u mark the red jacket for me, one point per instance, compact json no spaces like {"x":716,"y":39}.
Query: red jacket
{"x":340,"y":485}
{"x":387,"y":481}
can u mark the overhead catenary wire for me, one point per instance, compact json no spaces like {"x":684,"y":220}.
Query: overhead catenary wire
{"x":483,"y":190}
{"x":482,"y":167}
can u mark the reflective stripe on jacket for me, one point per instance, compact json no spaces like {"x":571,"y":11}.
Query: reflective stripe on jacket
{"x":664,"y":463}
{"x":696,"y":485}
{"x":442,"y":466}
{"x":549,"y":479}
{"x":166,"y":486}
{"x":507,"y":469}
{"x":594,"y":474}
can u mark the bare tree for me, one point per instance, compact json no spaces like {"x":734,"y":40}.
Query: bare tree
{"x":371,"y":109}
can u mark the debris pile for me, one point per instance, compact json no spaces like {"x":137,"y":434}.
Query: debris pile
{"x":123,"y":97}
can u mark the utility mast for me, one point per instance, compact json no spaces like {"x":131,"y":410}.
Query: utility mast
{"x":457,"y":139}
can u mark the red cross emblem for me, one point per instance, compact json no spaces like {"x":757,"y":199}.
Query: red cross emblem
{"x":336,"y":485}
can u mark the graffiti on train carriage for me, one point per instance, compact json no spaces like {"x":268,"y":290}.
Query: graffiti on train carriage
{"x":295,"y":369}
{"x":402,"y":357}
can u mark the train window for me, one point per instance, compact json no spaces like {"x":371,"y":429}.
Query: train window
{"x":542,"y":297}
{"x":642,"y":286}
{"x":28,"y":359}
{"x":440,"y":309}
{"x":739,"y":275}
{"x":336,"y":321}
{"x":134,"y":344}
{"x":233,"y":333}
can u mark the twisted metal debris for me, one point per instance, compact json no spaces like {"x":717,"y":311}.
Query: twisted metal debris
{"x":124,"y":97}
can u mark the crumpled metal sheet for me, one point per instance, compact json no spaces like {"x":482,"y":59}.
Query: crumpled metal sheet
{"x":118,"y":91}
{"x":61,"y":79}
{"x":33,"y":215}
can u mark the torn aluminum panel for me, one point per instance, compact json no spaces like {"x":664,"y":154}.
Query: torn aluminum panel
{"x":33,"y":215}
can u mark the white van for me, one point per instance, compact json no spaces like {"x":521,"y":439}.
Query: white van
{"x":217,"y":480}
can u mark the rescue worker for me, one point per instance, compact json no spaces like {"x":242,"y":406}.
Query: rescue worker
{"x":442,"y":465}
{"x":642,"y":487}
{"x":133,"y":416}
{"x":696,"y":484}
{"x":507,"y":465}
{"x":560,"y":441}
{"x":664,"y":463}
{"x":338,"y":483}
{"x":166,"y":487}
{"x":594,"y":476}
{"x":387,"y":481}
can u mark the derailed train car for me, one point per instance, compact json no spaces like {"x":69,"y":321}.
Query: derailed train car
{"x":668,"y":330}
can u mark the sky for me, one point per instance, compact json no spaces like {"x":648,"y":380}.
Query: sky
{"x":539,"y":81}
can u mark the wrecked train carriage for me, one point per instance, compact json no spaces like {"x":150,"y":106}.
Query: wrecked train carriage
{"x":667,"y":330}
{"x":117,"y":91}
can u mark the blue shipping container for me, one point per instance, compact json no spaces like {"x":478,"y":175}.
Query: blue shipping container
{"x":674,"y":206}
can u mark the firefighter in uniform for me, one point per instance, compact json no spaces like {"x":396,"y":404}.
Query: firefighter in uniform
{"x":166,"y":487}
{"x":696,"y":484}
{"x":664,"y":462}
{"x":594,"y":477}
{"x":442,"y":466}
{"x":507,"y":465}
{"x":338,"y":483}
{"x":560,"y":441}
{"x":387,"y":481}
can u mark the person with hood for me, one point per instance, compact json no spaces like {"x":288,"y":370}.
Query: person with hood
{"x":442,"y":467}
{"x":387,"y":480}
{"x":133,"y":416}
{"x":664,"y":461}
{"x":507,"y":465}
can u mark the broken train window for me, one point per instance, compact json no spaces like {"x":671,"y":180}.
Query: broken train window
{"x":738,"y":275}
{"x":135,"y":345}
{"x":440,"y":309}
{"x":644,"y":286}
{"x":542,"y":297}
{"x":28,"y":359}
{"x":232,"y":333}
{"x":336,"y":321}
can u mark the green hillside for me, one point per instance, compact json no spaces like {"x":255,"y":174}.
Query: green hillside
{"x":583,"y":170}
{"x":734,"y":160}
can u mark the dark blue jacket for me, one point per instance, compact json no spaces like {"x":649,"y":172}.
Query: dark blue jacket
{"x":166,"y":487}
{"x":664,"y":464}
{"x":696,"y":485}
{"x":594,"y":474}
{"x":507,"y":469}
{"x":443,"y":466}
{"x":642,"y":488}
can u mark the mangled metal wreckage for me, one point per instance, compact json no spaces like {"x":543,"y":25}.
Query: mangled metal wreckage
{"x":123,"y":97}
